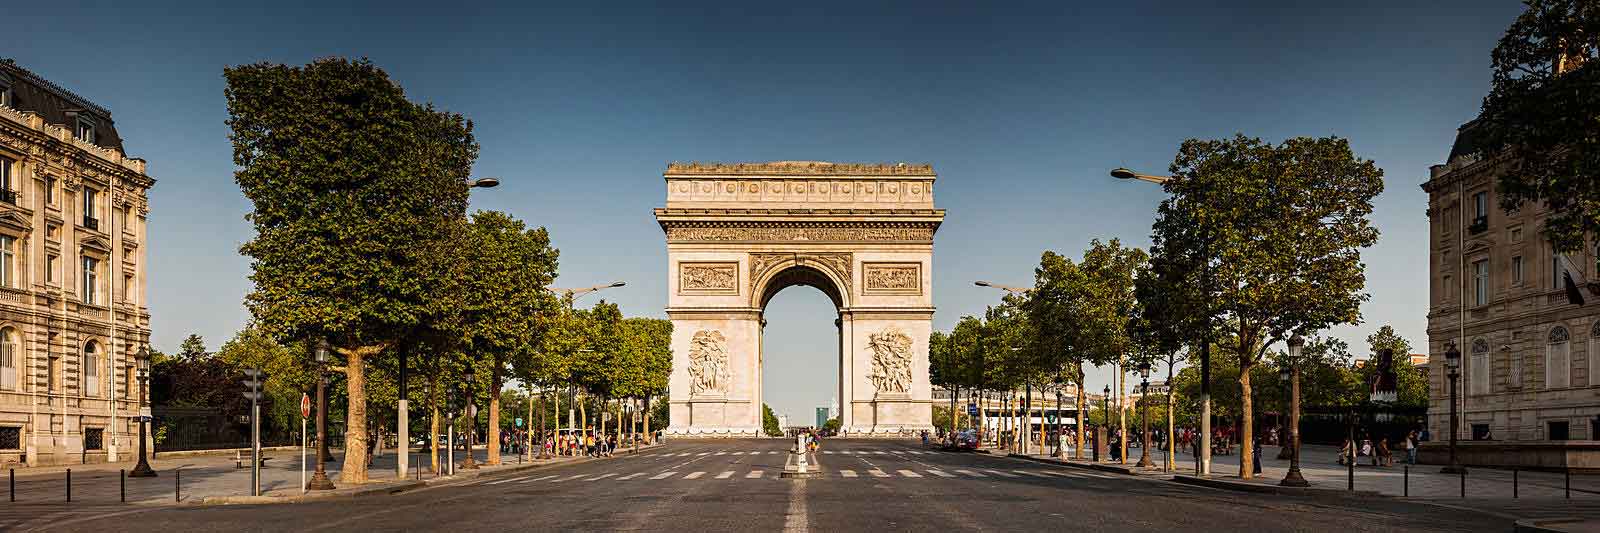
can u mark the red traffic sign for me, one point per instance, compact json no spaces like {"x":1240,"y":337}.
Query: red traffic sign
{"x":305,"y":405}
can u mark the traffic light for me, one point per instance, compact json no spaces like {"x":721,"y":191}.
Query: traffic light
{"x":254,"y":379}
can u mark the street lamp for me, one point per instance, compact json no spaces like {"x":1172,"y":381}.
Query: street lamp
{"x":1205,"y":339}
{"x":1105,"y":423}
{"x":1007,"y":288}
{"x":1144,"y":409}
{"x":484,"y":183}
{"x":472,"y":422}
{"x":142,"y":362}
{"x":1452,"y":362}
{"x":319,"y":479}
{"x":1292,"y":372}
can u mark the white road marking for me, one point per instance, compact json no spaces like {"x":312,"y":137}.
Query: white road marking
{"x":940,"y":473}
{"x":827,"y":452}
{"x":601,"y":476}
{"x":753,"y":474}
{"x":533,"y":480}
{"x":568,"y":478}
{"x":707,"y":453}
{"x":663,"y":475}
{"x":694,"y":475}
{"x":1027,"y":473}
{"x":796,"y":519}
{"x":878,"y":473}
{"x":722,"y":453}
{"x":725,"y":475}
{"x":908,"y":473}
{"x":630,"y":476}
{"x":966,"y":472}
{"x":847,"y":473}
{"x":999,"y":473}
{"x":508,"y":480}
{"x":738,"y":453}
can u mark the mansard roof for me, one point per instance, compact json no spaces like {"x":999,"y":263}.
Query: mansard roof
{"x":31,"y":92}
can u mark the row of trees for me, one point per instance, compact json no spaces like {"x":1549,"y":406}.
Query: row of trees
{"x":363,"y":242}
{"x":1257,"y":242}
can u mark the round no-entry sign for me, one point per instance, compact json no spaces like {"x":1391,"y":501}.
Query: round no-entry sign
{"x":305,"y":405}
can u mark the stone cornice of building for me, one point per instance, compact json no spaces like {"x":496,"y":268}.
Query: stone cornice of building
{"x":1460,"y":169}
{"x":1446,"y":319}
{"x":17,"y":127}
{"x":747,"y":213}
{"x":797,"y":168}
{"x":743,"y":229}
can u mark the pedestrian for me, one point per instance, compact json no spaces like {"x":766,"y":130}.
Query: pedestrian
{"x":1411,"y":447}
{"x":1255,"y":452}
{"x":1385,"y":458}
{"x":1347,"y":452}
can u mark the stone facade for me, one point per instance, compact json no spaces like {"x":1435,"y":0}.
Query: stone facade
{"x":1530,"y":360}
{"x":739,"y":233}
{"x":73,"y":224}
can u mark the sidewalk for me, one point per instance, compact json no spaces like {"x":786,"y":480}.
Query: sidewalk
{"x":217,"y":480}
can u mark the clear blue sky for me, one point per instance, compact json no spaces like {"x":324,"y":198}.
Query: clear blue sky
{"x":1020,"y":109}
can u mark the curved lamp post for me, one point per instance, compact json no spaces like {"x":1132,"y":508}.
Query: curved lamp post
{"x":1144,"y":410}
{"x":142,"y":364}
{"x":1291,"y":371}
{"x":1105,"y":403}
{"x":472,"y":423}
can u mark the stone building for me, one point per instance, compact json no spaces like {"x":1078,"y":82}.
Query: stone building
{"x":1530,"y":359}
{"x":73,"y":217}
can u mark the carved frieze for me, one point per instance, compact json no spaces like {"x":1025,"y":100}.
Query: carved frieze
{"x":800,"y":168}
{"x":762,"y":263}
{"x":891,"y":361}
{"x":708,"y":363}
{"x":708,"y":278}
{"x":892,"y":278}
{"x":800,"y":233}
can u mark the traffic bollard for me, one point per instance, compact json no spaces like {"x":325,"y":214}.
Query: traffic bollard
{"x":1514,"y":483}
{"x":69,"y":485}
{"x":1407,"y":481}
{"x":1569,"y":483}
{"x":1463,"y":483}
{"x":122,"y":481}
{"x":177,"y":484}
{"x":13,"y":484}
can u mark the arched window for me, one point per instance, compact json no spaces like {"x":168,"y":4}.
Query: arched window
{"x":8,"y":359}
{"x":91,"y":370}
{"x":1478,"y":368}
{"x":1557,"y":366}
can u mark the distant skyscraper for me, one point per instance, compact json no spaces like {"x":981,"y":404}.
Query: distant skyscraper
{"x":822,"y":417}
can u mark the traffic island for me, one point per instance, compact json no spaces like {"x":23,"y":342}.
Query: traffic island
{"x":1266,"y":486}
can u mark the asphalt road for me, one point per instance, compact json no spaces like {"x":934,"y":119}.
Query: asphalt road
{"x":725,"y":485}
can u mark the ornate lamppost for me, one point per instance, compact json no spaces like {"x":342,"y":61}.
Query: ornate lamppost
{"x":1452,"y":362}
{"x":142,"y":364}
{"x":1144,"y":413}
{"x":1291,"y":372}
{"x":472,"y":422}
{"x":1105,"y":423}
{"x":319,"y":478}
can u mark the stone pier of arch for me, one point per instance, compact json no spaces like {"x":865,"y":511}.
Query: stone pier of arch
{"x":739,"y":233}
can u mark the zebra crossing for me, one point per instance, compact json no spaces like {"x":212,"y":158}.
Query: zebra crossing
{"x":890,"y":453}
{"x":839,"y":473}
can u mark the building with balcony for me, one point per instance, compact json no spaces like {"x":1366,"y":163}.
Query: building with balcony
{"x":73,"y":215}
{"x":1529,"y":385}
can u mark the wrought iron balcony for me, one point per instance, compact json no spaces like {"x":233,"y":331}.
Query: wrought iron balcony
{"x":1479,"y":225}
{"x":8,"y":196}
{"x":91,"y":223}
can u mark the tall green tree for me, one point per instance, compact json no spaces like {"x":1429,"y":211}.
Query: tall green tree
{"x":355,"y":192}
{"x":1544,"y":113}
{"x":1281,"y":228}
{"x":508,"y":267}
{"x":769,"y":422}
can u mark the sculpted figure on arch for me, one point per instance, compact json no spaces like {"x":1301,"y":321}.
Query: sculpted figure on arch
{"x":891,"y":360}
{"x":708,"y":362}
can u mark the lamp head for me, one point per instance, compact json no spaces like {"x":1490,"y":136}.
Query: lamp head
{"x":322,"y":352}
{"x":1452,"y":355}
{"x":1144,"y":369}
{"x":1123,"y":173}
{"x":1283,"y":373}
{"x":983,"y":284}
{"x":618,"y":283}
{"x":484,"y":183}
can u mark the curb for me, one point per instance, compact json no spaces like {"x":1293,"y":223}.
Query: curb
{"x":1267,"y":489}
{"x":1551,"y":525}
{"x":1116,"y":469}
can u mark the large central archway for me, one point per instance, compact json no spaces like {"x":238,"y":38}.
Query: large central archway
{"x":739,"y":233}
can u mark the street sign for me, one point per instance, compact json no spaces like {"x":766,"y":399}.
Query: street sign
{"x":305,"y":405}
{"x":519,"y":421}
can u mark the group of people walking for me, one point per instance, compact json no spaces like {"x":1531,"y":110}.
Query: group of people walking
{"x":1379,"y":451}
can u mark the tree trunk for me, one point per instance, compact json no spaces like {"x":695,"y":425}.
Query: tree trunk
{"x":530,"y":422}
{"x":647,"y":434}
{"x":493,"y":443}
{"x":1172,"y":443}
{"x":583,"y":415}
{"x":541,"y":422}
{"x":1122,"y":414}
{"x":1246,"y":432}
{"x":433,"y":436}
{"x":1083,"y":419}
{"x":354,"y":471}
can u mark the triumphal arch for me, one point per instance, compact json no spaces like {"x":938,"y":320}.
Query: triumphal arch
{"x":739,"y":233}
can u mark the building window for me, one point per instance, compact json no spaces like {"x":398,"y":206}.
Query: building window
{"x":1556,"y":365}
{"x":1478,"y":377}
{"x":94,"y":439}
{"x":89,"y":203}
{"x":91,"y":281}
{"x":1516,"y":235}
{"x":127,"y":288}
{"x":1514,"y":364}
{"x":7,"y":168}
{"x":1480,"y":282}
{"x":50,"y":190}
{"x":1557,"y":269}
{"x":8,"y":261}
{"x":10,"y":438}
{"x":1516,"y":270}
{"x":8,"y":359}
{"x":1558,"y":430}
{"x":1481,"y":432}
{"x":52,"y":269}
{"x":85,"y":130}
{"x":91,"y":370}
{"x":5,"y":97}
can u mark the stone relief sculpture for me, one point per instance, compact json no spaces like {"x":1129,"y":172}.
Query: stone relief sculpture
{"x":710,"y":277}
{"x":894,"y":277}
{"x":891,"y":361}
{"x":708,"y":362}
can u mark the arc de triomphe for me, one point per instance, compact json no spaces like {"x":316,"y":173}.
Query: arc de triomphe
{"x":739,"y":233}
